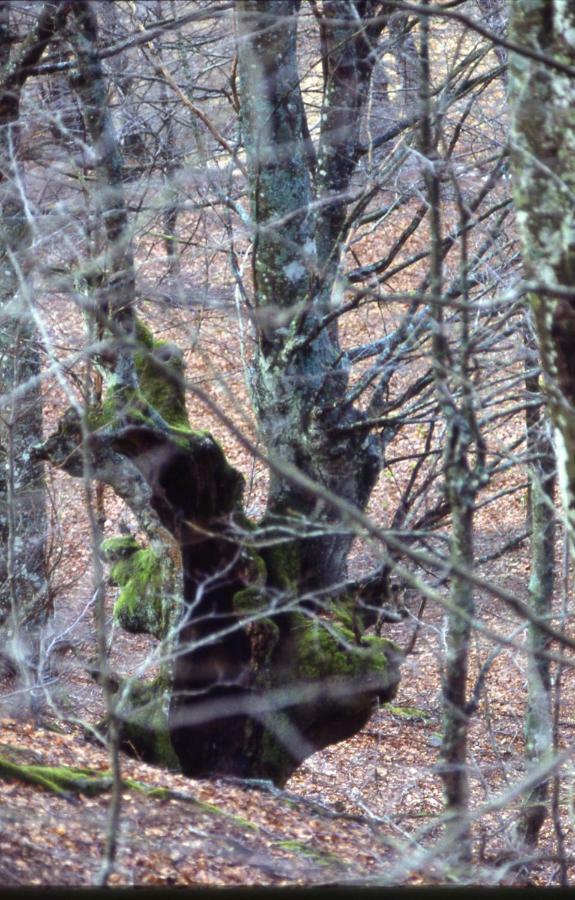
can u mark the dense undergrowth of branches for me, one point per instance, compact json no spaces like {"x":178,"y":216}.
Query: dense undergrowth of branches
{"x":286,"y":290}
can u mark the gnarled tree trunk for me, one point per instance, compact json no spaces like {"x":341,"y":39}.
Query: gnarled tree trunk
{"x":260,"y":680}
{"x":258,"y":684}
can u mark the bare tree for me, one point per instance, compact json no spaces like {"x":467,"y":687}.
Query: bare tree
{"x":24,"y":590}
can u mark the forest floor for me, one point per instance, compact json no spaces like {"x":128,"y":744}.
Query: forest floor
{"x":365,"y":811}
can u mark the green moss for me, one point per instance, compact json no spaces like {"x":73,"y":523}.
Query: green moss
{"x":249,"y":600}
{"x":379,"y":649}
{"x":160,"y":369}
{"x":297,"y":846}
{"x":214,"y":810}
{"x":65,"y":781}
{"x":142,"y":606}
{"x":162,"y":385}
{"x":317,"y":653}
{"x":283,"y":564}
{"x":143,"y":713}
{"x":321,"y":857}
{"x":158,"y":793}
{"x":201,"y":806}
{"x":407,"y":712}
{"x":144,"y":335}
{"x":61,"y":780}
{"x":116,"y":548}
{"x":343,"y":611}
{"x":332,"y":652}
{"x":321,"y":654}
{"x":270,"y":630}
{"x":146,"y":603}
{"x":145,"y":728}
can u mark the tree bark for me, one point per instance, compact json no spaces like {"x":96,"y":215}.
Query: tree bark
{"x":299,"y":208}
{"x":543,"y":147}
{"x":464,"y":473}
{"x":258,"y":685}
{"x":259,"y":682}
{"x":543,"y":153}
{"x":538,"y":718}
{"x":25,"y":601}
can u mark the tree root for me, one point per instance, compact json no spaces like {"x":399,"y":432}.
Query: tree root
{"x":61,"y":780}
{"x":66,"y":781}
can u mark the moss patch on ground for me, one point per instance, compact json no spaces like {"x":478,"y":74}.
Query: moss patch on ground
{"x":301,"y":848}
{"x":412,"y":713}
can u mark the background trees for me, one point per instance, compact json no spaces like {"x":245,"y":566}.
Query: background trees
{"x":326,"y":185}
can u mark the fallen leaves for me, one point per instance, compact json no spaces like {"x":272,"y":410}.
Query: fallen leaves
{"x":241,"y":839}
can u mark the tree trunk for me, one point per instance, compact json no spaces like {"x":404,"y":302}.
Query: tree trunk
{"x":259,"y":681}
{"x":24,"y":590}
{"x":299,"y":208}
{"x":258,"y":684}
{"x":538,"y":719}
{"x":464,"y":472}
{"x":543,"y":160}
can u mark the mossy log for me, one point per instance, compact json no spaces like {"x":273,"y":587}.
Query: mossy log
{"x":67,"y":781}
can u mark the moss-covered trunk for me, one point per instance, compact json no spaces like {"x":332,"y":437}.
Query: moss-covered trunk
{"x":258,"y":683}
{"x":263,"y":673}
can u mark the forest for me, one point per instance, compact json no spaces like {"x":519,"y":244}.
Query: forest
{"x":287,"y":443}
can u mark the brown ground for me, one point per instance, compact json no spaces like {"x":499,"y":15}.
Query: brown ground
{"x":360,"y":811}
{"x":365,"y":809}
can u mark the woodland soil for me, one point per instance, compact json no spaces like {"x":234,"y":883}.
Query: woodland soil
{"x":363,"y":811}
